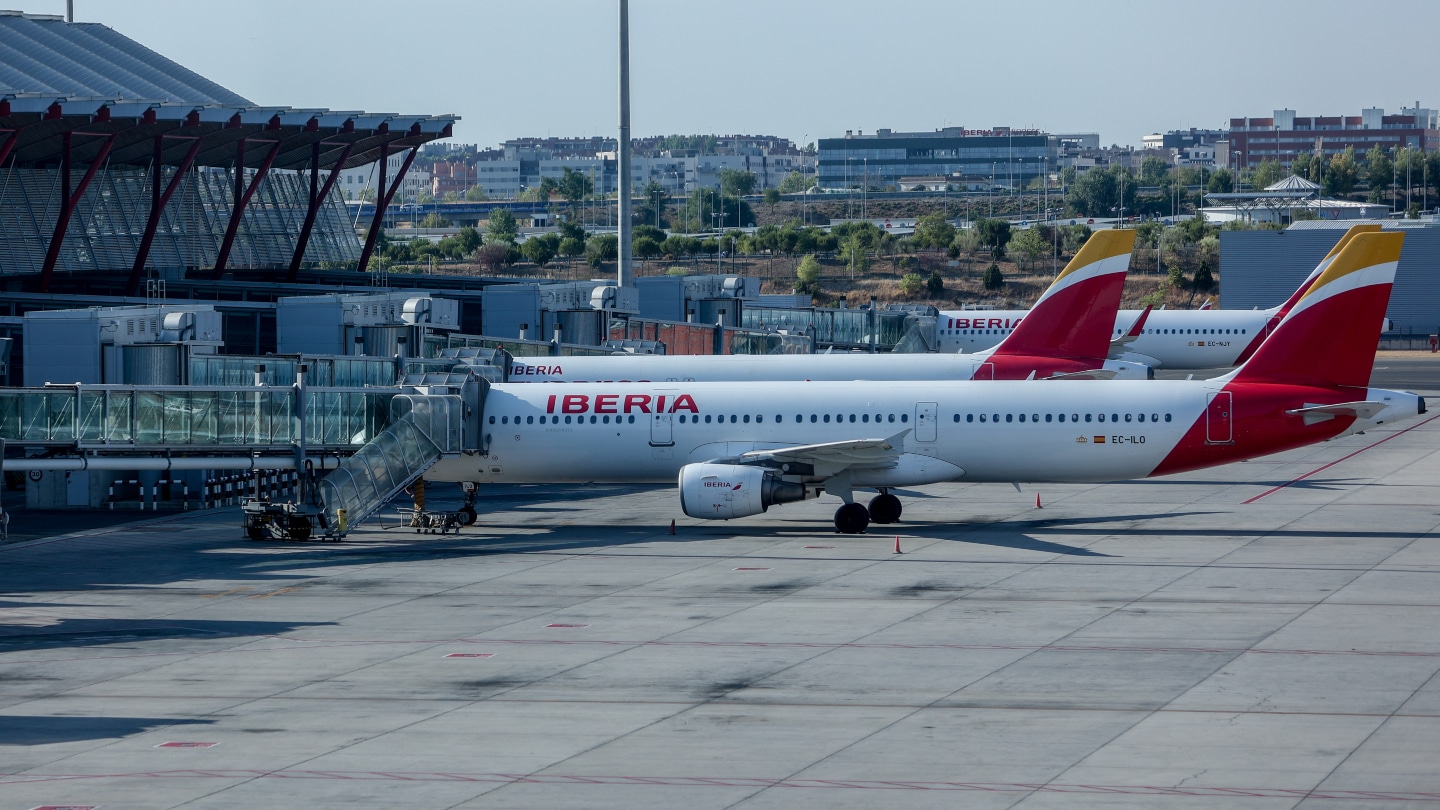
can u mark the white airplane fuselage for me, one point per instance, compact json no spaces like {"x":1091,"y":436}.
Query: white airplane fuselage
{"x":1173,"y":339}
{"x":770,"y":367}
{"x":976,"y":431}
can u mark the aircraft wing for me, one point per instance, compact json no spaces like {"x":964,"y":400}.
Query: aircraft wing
{"x":829,"y":458}
{"x":1092,"y":374}
{"x":1319,"y":413}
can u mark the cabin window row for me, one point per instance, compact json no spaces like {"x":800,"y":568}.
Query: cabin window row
{"x":555,"y":420}
{"x":1061,"y":417}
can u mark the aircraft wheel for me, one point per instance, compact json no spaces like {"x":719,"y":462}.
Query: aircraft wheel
{"x":851,"y":518}
{"x":885,"y":508}
{"x":299,"y":527}
{"x":467,"y":515}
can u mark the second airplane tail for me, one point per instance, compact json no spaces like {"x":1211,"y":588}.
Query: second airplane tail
{"x":1075,"y":316}
{"x":1328,"y":337}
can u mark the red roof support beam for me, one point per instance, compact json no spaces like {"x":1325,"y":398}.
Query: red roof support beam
{"x":241,"y":201}
{"x":317,"y":199}
{"x":158,"y":201}
{"x":383,"y":201}
{"x":69,"y":201}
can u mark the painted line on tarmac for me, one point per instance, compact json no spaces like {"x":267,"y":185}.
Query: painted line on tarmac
{"x":1324,"y":467}
{"x":753,"y":782}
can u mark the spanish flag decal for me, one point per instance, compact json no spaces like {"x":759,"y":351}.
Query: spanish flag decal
{"x":1099,"y":439}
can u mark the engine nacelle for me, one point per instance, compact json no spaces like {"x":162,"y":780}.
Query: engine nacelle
{"x":725,"y":491}
{"x":1128,"y":370}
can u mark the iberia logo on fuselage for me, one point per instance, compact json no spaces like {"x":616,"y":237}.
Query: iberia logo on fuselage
{"x":983,"y":323}
{"x":618,"y":403}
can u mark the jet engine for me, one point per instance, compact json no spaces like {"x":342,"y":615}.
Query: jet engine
{"x":1127,"y":370}
{"x":724,"y":491}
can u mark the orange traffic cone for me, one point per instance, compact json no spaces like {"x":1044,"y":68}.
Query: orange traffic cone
{"x":1037,"y":501}
{"x":672,"y":525}
{"x":897,"y":545}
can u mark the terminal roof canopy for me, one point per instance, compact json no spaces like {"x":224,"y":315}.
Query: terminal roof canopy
{"x":102,"y":87}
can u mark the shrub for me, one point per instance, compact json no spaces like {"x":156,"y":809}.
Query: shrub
{"x":993,"y":279}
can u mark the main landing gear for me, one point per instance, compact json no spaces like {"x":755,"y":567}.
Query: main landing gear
{"x":853,"y":518}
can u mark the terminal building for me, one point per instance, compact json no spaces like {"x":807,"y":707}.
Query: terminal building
{"x":1001,"y":156}
{"x":118,"y":161}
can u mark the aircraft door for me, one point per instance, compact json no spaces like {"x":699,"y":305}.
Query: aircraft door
{"x":1219,"y":425}
{"x":925,"y":421}
{"x":662,"y":430}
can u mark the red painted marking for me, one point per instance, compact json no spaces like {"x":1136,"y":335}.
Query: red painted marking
{"x":1324,"y":467}
{"x":568,"y":626}
{"x":754,"y":782}
{"x":754,"y":569}
{"x":187,"y":745}
{"x":471,"y":655}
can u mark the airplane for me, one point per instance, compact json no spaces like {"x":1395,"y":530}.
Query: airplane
{"x":1173,"y":339}
{"x":1069,"y":336}
{"x":738,"y":448}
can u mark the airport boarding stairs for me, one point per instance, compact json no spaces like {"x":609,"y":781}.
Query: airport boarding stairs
{"x":424,"y":428}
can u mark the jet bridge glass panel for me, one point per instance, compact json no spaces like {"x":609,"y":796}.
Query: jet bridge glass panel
{"x":192,"y":417}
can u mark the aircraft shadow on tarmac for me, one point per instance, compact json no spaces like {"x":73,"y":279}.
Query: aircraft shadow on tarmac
{"x":71,"y":633}
{"x":35,"y":730}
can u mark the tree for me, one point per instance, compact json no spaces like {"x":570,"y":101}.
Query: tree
{"x":651,"y":210}
{"x":807,"y":276}
{"x":1204,"y":279}
{"x":1379,"y":171}
{"x":493,"y":256}
{"x":1341,"y":174}
{"x":1153,"y":171}
{"x":475,"y":194}
{"x":1175,"y":277}
{"x":366,"y":194}
{"x":1095,"y":193}
{"x":570,"y":246}
{"x":645,"y":247}
{"x":1221,"y":182}
{"x":772,"y":198}
{"x":911,"y":284}
{"x":994,"y":234}
{"x":934,"y":231}
{"x":993,"y":279}
{"x":502,"y":226}
{"x":574,"y":186}
{"x":469,"y":240}
{"x":795,"y":182}
{"x":737,"y":183}
{"x":935,"y":285}
{"x":1267,"y":173}
{"x":434,"y":220}
{"x":603,"y":248}
{"x":424,"y":197}
{"x":1030,"y":245}
{"x":540,"y":249}
{"x":1303,"y":166}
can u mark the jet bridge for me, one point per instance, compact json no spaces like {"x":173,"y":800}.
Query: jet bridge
{"x":375,"y":441}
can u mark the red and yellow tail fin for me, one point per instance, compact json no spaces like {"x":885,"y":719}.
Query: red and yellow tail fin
{"x":1074,"y":318}
{"x":1329,"y":336}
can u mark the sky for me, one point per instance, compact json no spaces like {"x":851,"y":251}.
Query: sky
{"x":802,"y":70}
